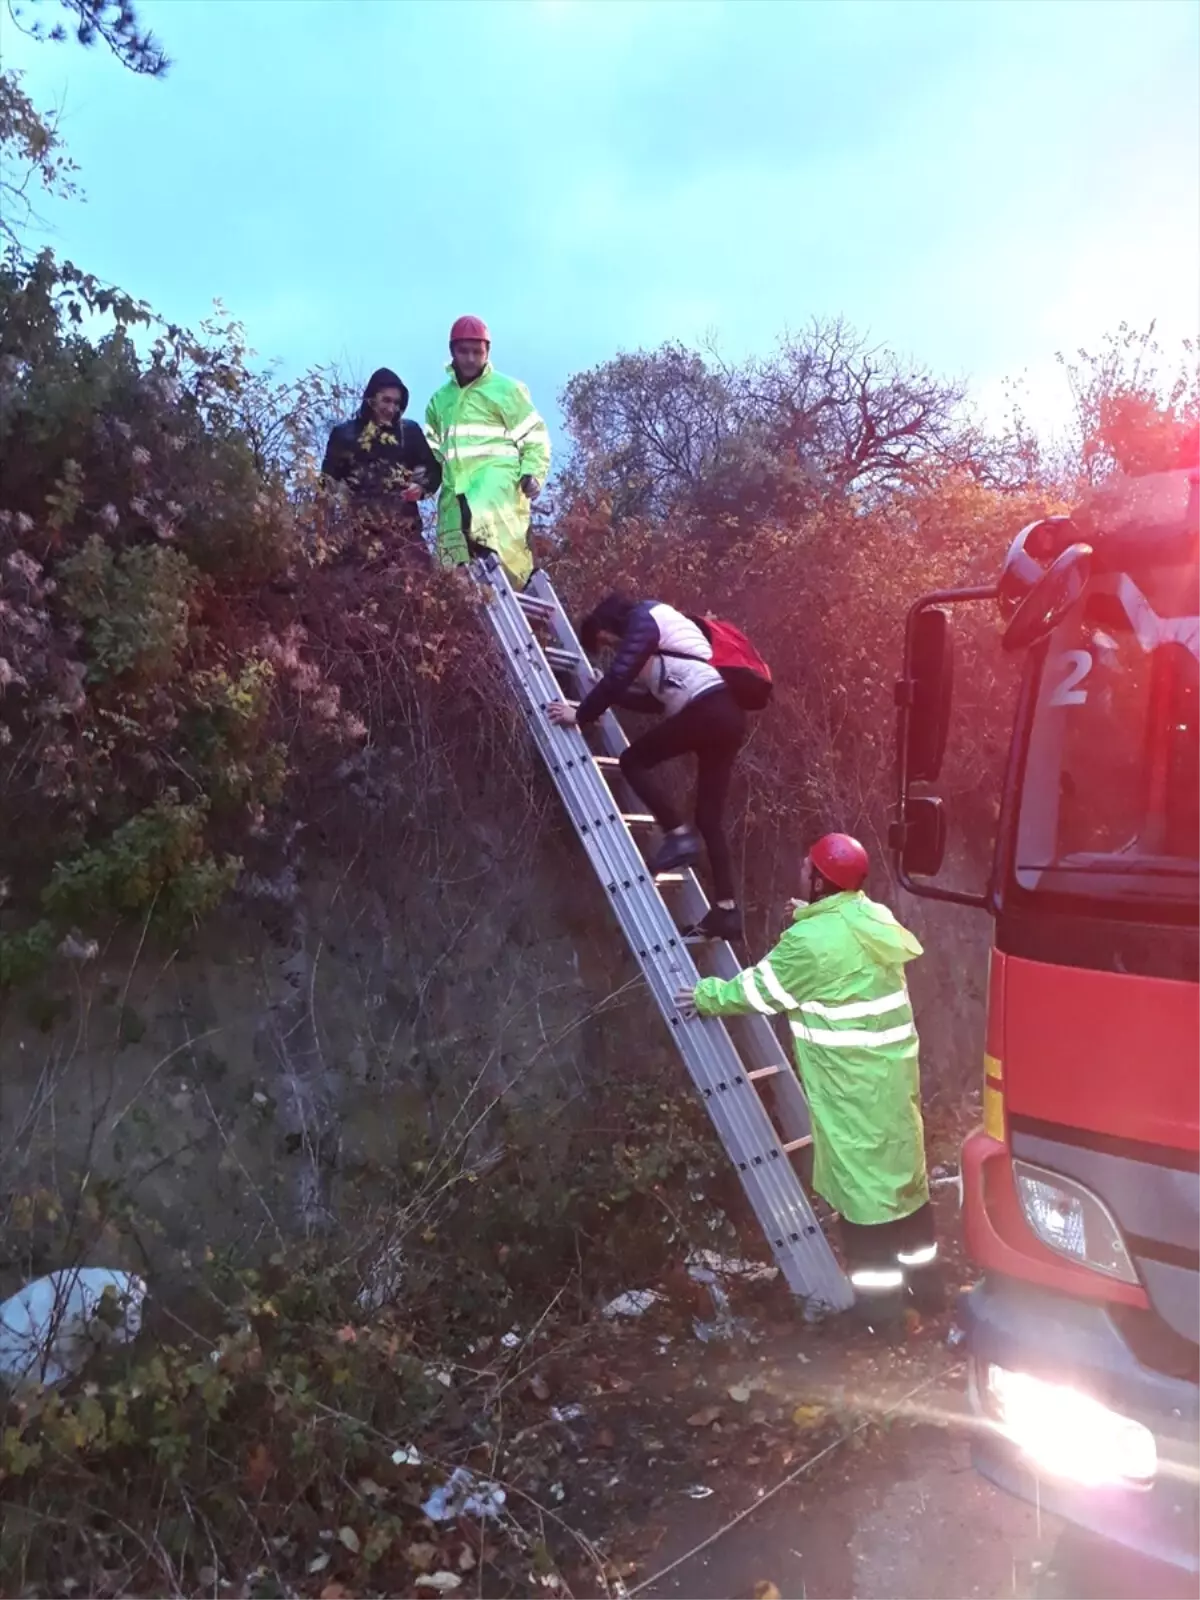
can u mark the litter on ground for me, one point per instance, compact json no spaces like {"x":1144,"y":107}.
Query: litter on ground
{"x":463,"y":1495}
{"x":50,"y":1327}
{"x":633,"y":1303}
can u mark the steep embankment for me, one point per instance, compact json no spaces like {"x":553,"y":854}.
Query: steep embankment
{"x":413,"y":953}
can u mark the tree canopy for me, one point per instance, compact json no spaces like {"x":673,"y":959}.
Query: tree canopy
{"x":89,"y":22}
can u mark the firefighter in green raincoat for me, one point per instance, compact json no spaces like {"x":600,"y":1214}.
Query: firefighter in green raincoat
{"x":838,"y":975}
{"x":494,"y":451}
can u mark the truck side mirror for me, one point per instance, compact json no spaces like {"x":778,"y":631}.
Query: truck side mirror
{"x":928,"y":686}
{"x":920,"y":840}
{"x":1054,"y":594}
{"x":917,"y":836}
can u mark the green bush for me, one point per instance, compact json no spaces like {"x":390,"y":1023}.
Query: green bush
{"x":143,"y":501}
{"x":157,"y":859}
{"x":134,"y":607}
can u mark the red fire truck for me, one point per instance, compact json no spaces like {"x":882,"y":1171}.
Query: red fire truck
{"x":1081,"y":1192}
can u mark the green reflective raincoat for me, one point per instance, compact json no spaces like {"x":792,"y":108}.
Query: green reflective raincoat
{"x":487,"y":437}
{"x":838,"y":973}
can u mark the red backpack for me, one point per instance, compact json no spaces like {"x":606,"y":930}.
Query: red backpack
{"x":736,"y":659}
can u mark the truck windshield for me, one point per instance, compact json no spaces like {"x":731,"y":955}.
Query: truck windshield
{"x":1109,"y":801}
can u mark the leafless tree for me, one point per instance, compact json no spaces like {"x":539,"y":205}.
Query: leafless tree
{"x":826,"y":414}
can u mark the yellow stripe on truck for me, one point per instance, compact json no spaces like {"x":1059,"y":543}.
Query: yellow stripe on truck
{"x":993,"y":1098}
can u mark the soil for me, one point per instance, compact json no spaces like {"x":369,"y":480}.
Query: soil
{"x":795,"y":1461}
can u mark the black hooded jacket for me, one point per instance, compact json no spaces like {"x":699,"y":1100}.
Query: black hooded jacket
{"x":375,"y":463}
{"x":633,"y":623}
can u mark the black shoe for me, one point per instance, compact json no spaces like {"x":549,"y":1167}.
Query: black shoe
{"x":677,"y":850}
{"x":720,"y":922}
{"x":927,"y":1290}
{"x":882,"y":1316}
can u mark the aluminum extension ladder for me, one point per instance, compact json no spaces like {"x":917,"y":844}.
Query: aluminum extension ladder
{"x":744,"y":1084}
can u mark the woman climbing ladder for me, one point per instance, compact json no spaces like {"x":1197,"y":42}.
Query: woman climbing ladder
{"x":664,"y":664}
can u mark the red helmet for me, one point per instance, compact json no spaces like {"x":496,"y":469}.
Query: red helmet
{"x":470,"y":328}
{"x":841,"y":859}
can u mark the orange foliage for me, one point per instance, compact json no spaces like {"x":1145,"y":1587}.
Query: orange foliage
{"x":825,"y":599}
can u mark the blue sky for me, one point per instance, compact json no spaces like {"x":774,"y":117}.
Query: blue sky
{"x":978,"y":184}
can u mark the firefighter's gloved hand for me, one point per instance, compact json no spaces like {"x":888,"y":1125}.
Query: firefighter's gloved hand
{"x":530,"y":487}
{"x":685,"y":1001}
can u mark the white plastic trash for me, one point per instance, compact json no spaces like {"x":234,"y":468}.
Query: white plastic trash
{"x":464,"y":1495}
{"x":709,"y":1261}
{"x":50,"y":1327}
{"x":633,"y":1303}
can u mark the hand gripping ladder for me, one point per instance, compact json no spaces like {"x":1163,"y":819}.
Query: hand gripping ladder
{"x":741,"y":1088}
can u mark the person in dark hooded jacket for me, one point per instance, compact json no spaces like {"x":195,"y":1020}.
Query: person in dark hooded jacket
{"x":382,"y":458}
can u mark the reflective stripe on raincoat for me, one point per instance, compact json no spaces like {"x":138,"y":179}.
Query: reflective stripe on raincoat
{"x":838,"y":974}
{"x":487,"y":437}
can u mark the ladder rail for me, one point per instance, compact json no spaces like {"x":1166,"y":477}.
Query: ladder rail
{"x":708,"y":1052}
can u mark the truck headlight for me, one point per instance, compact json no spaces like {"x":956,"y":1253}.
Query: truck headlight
{"x":1072,"y":1221}
{"x":1069,"y":1434}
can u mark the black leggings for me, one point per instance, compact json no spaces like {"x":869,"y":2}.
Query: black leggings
{"x":714,"y":727}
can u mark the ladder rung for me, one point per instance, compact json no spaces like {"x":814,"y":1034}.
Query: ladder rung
{"x":637,"y":818}
{"x":763,"y":1072}
{"x":607,"y":761}
{"x":798,"y":1144}
{"x":560,"y":658}
{"x":530,"y":602}
{"x":670,"y":877}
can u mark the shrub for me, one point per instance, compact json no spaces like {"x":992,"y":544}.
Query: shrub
{"x":134,"y":607}
{"x":139,"y":517}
